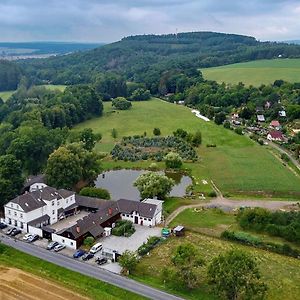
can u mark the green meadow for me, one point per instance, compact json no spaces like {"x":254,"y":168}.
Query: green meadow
{"x":5,"y":95}
{"x":256,"y":72}
{"x":237,"y":165}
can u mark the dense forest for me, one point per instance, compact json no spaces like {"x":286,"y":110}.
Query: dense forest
{"x":145,"y":58}
{"x":10,"y":75}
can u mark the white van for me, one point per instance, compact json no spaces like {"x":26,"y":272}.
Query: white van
{"x":97,"y":247}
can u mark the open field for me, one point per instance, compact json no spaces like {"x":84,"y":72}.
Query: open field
{"x":238,"y":166}
{"x":256,"y":72}
{"x":16,"y":284}
{"x":276,"y":269}
{"x":60,"y":277}
{"x":5,"y":95}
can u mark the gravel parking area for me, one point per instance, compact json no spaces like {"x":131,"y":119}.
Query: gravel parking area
{"x":131,"y":243}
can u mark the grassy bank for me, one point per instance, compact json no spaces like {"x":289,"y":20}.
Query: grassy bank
{"x":83,"y":285}
{"x":238,"y":166}
{"x":5,"y":95}
{"x":276,"y":269}
{"x":256,"y":72}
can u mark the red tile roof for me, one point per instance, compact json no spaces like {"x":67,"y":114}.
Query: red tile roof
{"x":275,"y":134}
{"x":275,"y":123}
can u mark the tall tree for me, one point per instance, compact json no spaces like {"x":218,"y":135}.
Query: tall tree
{"x":235,"y":275}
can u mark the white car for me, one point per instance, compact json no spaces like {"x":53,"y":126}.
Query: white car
{"x":27,"y":236}
{"x":59,"y":247}
{"x":97,"y":247}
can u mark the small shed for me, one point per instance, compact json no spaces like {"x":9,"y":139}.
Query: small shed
{"x":179,"y":230}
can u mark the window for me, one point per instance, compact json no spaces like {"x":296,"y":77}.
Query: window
{"x":15,"y":213}
{"x":22,"y":225}
{"x":127,"y":216}
{"x":57,"y":202}
{"x":53,"y":212}
{"x":16,"y":223}
{"x":123,"y":215}
{"x":12,"y":205}
{"x":62,"y":241}
{"x":67,"y":201}
{"x":149,"y":219}
{"x":21,"y":216}
{"x":9,"y":212}
{"x":52,"y":203}
{"x":9,"y":221}
{"x":71,"y":243}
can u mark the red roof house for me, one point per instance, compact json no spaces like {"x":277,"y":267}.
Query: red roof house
{"x":275,"y":135}
{"x":275,"y":124}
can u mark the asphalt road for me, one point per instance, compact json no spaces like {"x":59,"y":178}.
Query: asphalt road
{"x":89,"y":270}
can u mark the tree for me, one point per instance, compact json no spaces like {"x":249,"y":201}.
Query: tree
{"x":235,"y":275}
{"x":95,"y":192}
{"x":63,"y":169}
{"x":88,"y":241}
{"x":121,"y":103}
{"x":89,"y":139}
{"x":114,"y":133}
{"x":128,"y":261}
{"x":186,"y":260}
{"x":140,"y":94}
{"x":173,"y":160}
{"x":154,"y":185}
{"x":197,"y":139}
{"x":11,"y":179}
{"x":156,"y":131}
{"x":220,"y":118}
{"x":69,"y":164}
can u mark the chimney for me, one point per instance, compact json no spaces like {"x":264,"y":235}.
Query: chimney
{"x":110,"y":211}
{"x":78,"y":229}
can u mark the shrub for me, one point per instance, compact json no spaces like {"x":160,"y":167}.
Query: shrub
{"x":88,"y":241}
{"x":95,"y":192}
{"x":153,"y":167}
{"x":173,"y":160}
{"x":211,"y":145}
{"x":212,"y":194}
{"x":227,"y":125}
{"x":121,"y":103}
{"x":238,"y":130}
{"x":147,"y":247}
{"x":123,"y":228}
{"x":156,"y":131}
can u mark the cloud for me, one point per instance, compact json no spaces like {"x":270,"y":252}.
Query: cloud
{"x":107,"y":20}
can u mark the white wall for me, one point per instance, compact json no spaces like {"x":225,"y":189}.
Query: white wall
{"x":34,"y":230}
{"x":131,"y":217}
{"x":37,"y":186}
{"x":64,"y":241}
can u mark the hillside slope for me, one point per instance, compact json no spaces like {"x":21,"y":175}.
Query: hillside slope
{"x":144,"y":58}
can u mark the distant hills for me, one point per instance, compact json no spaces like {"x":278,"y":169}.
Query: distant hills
{"x":13,"y":51}
{"x":144,"y":58}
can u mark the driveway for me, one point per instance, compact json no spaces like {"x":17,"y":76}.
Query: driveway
{"x":132,"y":243}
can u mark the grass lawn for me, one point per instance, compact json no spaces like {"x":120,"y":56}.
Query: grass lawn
{"x":281,"y":273}
{"x":172,"y":203}
{"x":238,"y":166}
{"x":82,"y":284}
{"x":5,"y":95}
{"x":256,"y":72}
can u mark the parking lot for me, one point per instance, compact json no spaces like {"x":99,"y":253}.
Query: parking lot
{"x":132,"y":243}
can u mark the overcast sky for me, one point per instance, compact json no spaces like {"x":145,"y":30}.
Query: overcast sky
{"x":110,"y":20}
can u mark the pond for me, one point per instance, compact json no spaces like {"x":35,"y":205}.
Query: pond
{"x":120,"y":183}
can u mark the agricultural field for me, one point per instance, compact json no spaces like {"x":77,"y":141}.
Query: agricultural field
{"x":256,"y":72}
{"x":5,"y":95}
{"x":276,"y":269}
{"x":237,"y":165}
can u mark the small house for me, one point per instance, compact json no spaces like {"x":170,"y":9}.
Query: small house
{"x":261,"y":118}
{"x":275,"y":135}
{"x":275,"y":125}
{"x":282,"y":113}
{"x":179,"y":230}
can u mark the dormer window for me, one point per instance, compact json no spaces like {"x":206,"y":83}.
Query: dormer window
{"x":53,"y":203}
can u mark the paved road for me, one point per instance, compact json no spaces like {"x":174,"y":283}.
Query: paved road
{"x":89,"y":270}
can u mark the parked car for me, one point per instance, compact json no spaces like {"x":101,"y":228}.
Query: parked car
{"x":33,"y":238}
{"x":96,"y":248}
{"x":51,"y":245}
{"x":16,"y":232}
{"x":2,"y":225}
{"x":10,"y":231}
{"x":27,"y":236}
{"x":101,"y":260}
{"x":79,"y":253}
{"x":87,"y":256}
{"x":59,"y":247}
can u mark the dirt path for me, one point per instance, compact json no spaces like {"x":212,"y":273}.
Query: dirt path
{"x":16,"y":284}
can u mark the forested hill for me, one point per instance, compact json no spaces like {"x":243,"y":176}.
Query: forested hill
{"x":10,"y":75}
{"x":144,"y":58}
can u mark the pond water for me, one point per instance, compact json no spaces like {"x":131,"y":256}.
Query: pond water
{"x":120,"y":183}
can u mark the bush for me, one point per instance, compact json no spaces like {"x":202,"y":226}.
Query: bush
{"x":238,"y":130}
{"x":227,"y":125}
{"x":88,"y":241}
{"x":212,"y":194}
{"x":173,"y":160}
{"x":153,"y":167}
{"x":95,"y":192}
{"x":147,"y":247}
{"x":156,"y":131}
{"x":123,"y":228}
{"x":284,"y":157}
{"x":121,"y":103}
{"x":211,"y":145}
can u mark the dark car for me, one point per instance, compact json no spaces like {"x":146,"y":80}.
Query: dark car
{"x":87,"y":256}
{"x":2,"y":225}
{"x":79,"y":253}
{"x":101,"y":260}
{"x":10,"y":231}
{"x":16,"y":232}
{"x":33,"y":238}
{"x":52,"y":245}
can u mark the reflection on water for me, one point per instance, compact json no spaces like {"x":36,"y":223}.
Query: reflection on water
{"x":120,"y":183}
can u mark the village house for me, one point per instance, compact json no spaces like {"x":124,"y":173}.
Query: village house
{"x":261,"y":118}
{"x":275,"y":135}
{"x":37,"y":211}
{"x":275,"y":125}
